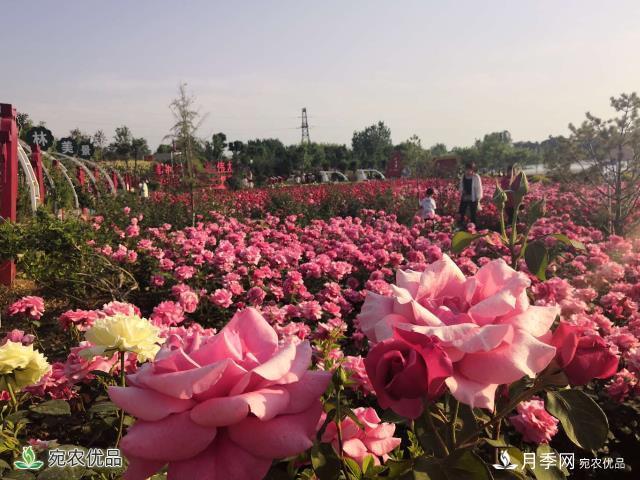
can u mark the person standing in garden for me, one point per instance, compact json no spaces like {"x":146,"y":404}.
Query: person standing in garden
{"x":505,"y":184}
{"x":427,"y":205}
{"x":470,"y":193}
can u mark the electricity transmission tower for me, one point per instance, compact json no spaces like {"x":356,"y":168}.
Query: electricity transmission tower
{"x":305,"y":128}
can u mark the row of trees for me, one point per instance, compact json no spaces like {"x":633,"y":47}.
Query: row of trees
{"x":608,"y":151}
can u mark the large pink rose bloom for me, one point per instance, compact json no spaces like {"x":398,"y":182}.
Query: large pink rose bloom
{"x":223,"y":406}
{"x":485,"y":323}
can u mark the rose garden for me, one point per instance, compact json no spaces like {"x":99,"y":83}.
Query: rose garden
{"x":324,"y":332}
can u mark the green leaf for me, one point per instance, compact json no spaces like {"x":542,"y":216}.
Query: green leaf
{"x":104,"y":408}
{"x":466,"y":464}
{"x":462,"y":240}
{"x":398,"y":468}
{"x":536,"y":256}
{"x":429,"y":468}
{"x":583,"y":420}
{"x":545,"y":472}
{"x":578,"y":245}
{"x":325,"y":462}
{"x":52,"y":407}
{"x":352,"y":468}
{"x":468,"y":419}
{"x":367,"y":464}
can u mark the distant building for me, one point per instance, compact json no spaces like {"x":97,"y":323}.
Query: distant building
{"x":446,"y":165}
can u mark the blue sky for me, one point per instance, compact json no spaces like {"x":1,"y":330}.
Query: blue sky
{"x":446,"y":71}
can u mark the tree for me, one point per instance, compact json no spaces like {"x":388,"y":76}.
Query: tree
{"x":494,"y":150}
{"x":183,"y":132}
{"x":438,"y":150}
{"x":99,"y":139}
{"x":416,"y":158}
{"x":79,"y":136}
{"x":610,"y":151}
{"x":164,"y":148}
{"x":120,"y":148}
{"x":24,"y":124}
{"x":215,"y":148}
{"x":372,"y":146}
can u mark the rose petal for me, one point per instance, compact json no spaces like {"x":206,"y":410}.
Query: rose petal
{"x":474,"y":394}
{"x":508,"y":362}
{"x":536,"y":320}
{"x":148,"y":440}
{"x":223,"y":460}
{"x":375,"y":307}
{"x":147,"y":404}
{"x":284,"y":436}
{"x":309,"y":389}
{"x":186,"y":383}
{"x":264,"y":404}
{"x":257,"y":335}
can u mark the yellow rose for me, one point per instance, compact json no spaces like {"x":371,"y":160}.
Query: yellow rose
{"x":124,"y":333}
{"x":20,"y":365}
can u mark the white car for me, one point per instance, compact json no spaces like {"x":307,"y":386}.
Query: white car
{"x":368,"y":174}
{"x":332,"y":176}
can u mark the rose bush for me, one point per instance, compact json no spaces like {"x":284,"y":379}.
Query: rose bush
{"x":433,"y":329}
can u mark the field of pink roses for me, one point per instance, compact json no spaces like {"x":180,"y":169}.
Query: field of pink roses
{"x":283,"y":336}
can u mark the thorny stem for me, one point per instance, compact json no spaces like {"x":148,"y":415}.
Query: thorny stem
{"x":122,"y":384}
{"x":339,"y":429}
{"x":454,"y":419}
{"x":512,"y":238}
{"x":432,"y":426}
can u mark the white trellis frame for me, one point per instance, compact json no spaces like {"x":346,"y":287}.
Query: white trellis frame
{"x":32,"y":181}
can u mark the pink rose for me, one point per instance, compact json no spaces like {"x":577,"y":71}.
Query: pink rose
{"x":30,"y":306}
{"x":18,"y":336}
{"x":582,"y":358}
{"x":167,"y":314}
{"x":358,"y":374}
{"x":222,"y":298}
{"x":82,"y":319}
{"x":623,"y":385}
{"x":534,"y":422}
{"x":484,"y":322}
{"x":222,"y":406}
{"x":406,"y":369}
{"x":375,"y":439}
{"x":77,"y":368}
{"x":188,"y":300}
{"x":113,"y":308}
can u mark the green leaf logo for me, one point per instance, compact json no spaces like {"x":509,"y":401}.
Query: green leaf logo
{"x":29,"y":460}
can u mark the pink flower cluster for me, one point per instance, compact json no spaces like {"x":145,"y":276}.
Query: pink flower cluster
{"x":29,"y":306}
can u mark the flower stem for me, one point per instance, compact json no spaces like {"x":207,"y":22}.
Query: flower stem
{"x":12,"y":394}
{"x":122,"y":384}
{"x":454,"y":419}
{"x":339,"y":429}
{"x":432,"y":426}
